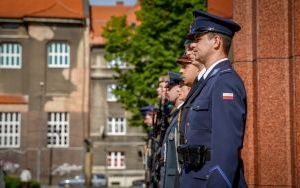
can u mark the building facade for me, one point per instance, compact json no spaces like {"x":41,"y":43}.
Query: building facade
{"x":117,"y":147}
{"x":44,"y":76}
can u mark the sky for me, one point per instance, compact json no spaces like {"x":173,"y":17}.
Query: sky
{"x":111,"y":2}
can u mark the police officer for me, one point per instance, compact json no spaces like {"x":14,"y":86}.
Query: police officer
{"x":168,"y":151}
{"x":191,"y":72}
{"x":161,"y":125}
{"x":216,"y":111}
{"x":156,"y":134}
{"x":161,"y":89}
{"x":149,"y":116}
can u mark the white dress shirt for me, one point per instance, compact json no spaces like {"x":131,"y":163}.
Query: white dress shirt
{"x":201,"y":73}
{"x":179,"y":105}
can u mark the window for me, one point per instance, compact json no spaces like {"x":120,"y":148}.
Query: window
{"x":110,"y":95}
{"x":116,"y":63}
{"x":10,"y":26}
{"x":58,"y":129}
{"x":58,"y":55}
{"x":10,"y":125}
{"x":10,"y":55}
{"x":116,"y":160}
{"x":116,"y":126}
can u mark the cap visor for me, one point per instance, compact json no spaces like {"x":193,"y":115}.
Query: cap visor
{"x":190,"y":36}
{"x":183,"y":61}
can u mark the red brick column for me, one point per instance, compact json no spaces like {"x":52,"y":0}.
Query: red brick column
{"x":295,"y":15}
{"x":266,"y":54}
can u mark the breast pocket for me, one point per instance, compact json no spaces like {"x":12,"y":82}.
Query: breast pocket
{"x":200,"y":114}
{"x":201,"y":105}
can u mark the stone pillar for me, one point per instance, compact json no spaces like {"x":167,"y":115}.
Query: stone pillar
{"x":296,"y":88}
{"x":266,"y":54}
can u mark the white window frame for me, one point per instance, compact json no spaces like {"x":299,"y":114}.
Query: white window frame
{"x":10,"y":56}
{"x":10,"y":129}
{"x":58,"y":55}
{"x":116,"y":160}
{"x":116,"y":126}
{"x":116,"y":63}
{"x":58,"y":130}
{"x":110,"y":96}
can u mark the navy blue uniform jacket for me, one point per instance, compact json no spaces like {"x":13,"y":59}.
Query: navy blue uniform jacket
{"x":215,"y":117}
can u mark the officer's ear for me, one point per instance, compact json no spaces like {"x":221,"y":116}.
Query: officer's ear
{"x":217,"y":41}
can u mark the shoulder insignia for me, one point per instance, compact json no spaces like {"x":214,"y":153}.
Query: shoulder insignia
{"x":225,"y":71}
{"x":215,"y":71}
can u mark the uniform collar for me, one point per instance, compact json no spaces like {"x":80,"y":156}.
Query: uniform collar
{"x":201,"y":73}
{"x":212,"y":66}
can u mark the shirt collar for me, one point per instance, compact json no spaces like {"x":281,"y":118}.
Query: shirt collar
{"x":201,"y":73}
{"x":179,"y":105}
{"x":212,"y":66}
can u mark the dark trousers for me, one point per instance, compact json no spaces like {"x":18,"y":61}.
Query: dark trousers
{"x":25,"y":184}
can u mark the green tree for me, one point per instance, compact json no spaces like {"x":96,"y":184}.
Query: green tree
{"x":151,"y":48}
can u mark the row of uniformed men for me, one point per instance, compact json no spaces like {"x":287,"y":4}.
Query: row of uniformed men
{"x":197,"y":130}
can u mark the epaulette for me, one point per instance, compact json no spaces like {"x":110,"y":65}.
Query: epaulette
{"x":226,"y":71}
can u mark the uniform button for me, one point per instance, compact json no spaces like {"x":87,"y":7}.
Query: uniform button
{"x":207,"y":176}
{"x":188,"y":124}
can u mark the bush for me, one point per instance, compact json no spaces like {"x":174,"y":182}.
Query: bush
{"x":34,"y":184}
{"x":12,"y":182}
{"x":15,"y":182}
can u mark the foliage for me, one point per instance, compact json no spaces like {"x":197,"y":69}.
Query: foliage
{"x":12,"y":182}
{"x":151,"y":48}
{"x":34,"y":184}
{"x":15,"y":182}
